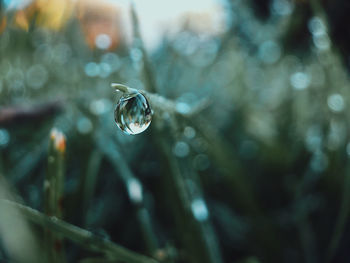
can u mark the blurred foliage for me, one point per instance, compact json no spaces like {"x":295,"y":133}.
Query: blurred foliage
{"x":259,"y":174}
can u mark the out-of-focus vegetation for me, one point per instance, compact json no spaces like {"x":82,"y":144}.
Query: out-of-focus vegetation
{"x":246,"y":158}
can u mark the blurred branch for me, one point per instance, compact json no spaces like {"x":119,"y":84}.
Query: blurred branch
{"x":17,"y":238}
{"x":198,"y":242}
{"x":81,"y":236}
{"x":14,"y":115}
{"x":88,"y":181}
{"x":147,"y":67}
{"x":161,"y":104}
{"x":342,"y":218}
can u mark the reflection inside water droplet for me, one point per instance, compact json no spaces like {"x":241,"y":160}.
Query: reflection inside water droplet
{"x":133,"y":114}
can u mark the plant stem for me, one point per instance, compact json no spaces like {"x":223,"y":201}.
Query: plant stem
{"x":53,"y":192}
{"x":133,"y":186}
{"x":78,"y":235}
{"x":88,"y":182}
{"x":147,"y":67}
{"x":120,"y":87}
{"x":341,"y":219}
{"x":196,"y":240}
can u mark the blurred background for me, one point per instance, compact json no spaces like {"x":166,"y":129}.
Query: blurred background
{"x":247,"y":156}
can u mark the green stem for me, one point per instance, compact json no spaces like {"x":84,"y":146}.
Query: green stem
{"x":120,"y":87}
{"x":131,"y":182}
{"x":195,"y":240}
{"x":342,"y":218}
{"x":53,"y":192}
{"x":80,"y":236}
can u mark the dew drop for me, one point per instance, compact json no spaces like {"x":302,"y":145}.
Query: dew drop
{"x":105,"y":70}
{"x":37,"y":76}
{"x":103,"y":41}
{"x":133,"y":114}
{"x":4,"y":138}
{"x":336,"y":102}
{"x":199,"y":209}
{"x":269,"y":52}
{"x":282,"y":7}
{"x":300,"y":80}
{"x":183,"y":108}
{"x":189,"y":132}
{"x":100,"y":106}
{"x":135,"y":190}
{"x":316,"y":26}
{"x":92,"y":69}
{"x":84,"y":125}
{"x":181,"y":149}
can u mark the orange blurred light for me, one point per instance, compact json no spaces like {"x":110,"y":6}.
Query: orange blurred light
{"x":50,"y":14}
{"x":22,"y":18}
{"x":59,"y":140}
{"x":53,"y":14}
{"x":3,"y":23}
{"x":100,"y":18}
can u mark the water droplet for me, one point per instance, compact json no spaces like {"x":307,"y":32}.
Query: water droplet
{"x":135,"y":190}
{"x":282,"y":7}
{"x":105,"y":70}
{"x":189,"y":132}
{"x":100,"y":106}
{"x":84,"y":125}
{"x":133,"y":114}
{"x":269,"y":52}
{"x":112,"y":60}
{"x":337,"y":135}
{"x":4,"y":137}
{"x":316,"y":26}
{"x":61,"y":53}
{"x":37,"y":76}
{"x":181,"y":149}
{"x":199,"y":210}
{"x":92,"y":69}
{"x":300,"y":80}
{"x":336,"y":102}
{"x":136,"y":54}
{"x":313,"y":138}
{"x":103,"y":41}
{"x":183,"y":108}
{"x":322,"y":42}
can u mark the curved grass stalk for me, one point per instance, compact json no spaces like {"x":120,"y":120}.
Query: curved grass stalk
{"x":80,"y":236}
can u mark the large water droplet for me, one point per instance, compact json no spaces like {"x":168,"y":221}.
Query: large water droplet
{"x":133,"y":114}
